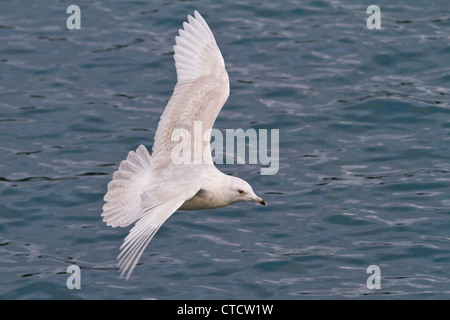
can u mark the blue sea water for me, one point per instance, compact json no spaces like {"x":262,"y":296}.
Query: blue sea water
{"x":364,"y":122}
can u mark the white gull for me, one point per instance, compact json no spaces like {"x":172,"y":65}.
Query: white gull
{"x":149,"y":189}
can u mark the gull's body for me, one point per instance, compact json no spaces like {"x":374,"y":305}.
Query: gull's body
{"x":149,"y":189}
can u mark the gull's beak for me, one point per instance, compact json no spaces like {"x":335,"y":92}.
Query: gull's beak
{"x":260,"y":200}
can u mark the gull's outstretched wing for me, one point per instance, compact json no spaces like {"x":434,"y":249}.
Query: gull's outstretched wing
{"x":139,"y":193}
{"x":200,"y":93}
{"x":158,"y":202}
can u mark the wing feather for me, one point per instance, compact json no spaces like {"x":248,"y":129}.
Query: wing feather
{"x":201,"y":91}
{"x":157,"y":205}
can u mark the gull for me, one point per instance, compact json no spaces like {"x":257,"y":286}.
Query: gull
{"x":147,"y":190}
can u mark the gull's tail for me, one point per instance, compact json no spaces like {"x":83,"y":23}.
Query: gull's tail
{"x":123,"y":199}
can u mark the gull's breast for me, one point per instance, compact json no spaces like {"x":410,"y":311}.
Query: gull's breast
{"x":204,"y":199}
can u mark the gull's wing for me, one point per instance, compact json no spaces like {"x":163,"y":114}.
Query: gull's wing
{"x":139,"y":193}
{"x":201,"y":90}
{"x":158,"y":203}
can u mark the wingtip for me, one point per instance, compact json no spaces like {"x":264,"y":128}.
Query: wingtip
{"x":195,"y":15}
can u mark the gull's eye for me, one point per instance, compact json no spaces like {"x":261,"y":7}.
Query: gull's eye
{"x":241,"y":191}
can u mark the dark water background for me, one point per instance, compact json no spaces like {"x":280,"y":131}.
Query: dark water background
{"x":364,"y":120}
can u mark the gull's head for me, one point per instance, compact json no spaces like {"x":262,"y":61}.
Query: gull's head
{"x":240,"y":190}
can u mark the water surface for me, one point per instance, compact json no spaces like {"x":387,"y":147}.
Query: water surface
{"x":364,"y":178}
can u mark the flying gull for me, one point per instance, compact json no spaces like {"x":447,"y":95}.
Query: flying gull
{"x":147,"y":190}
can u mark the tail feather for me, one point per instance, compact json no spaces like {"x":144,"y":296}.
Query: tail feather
{"x":123,"y":198}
